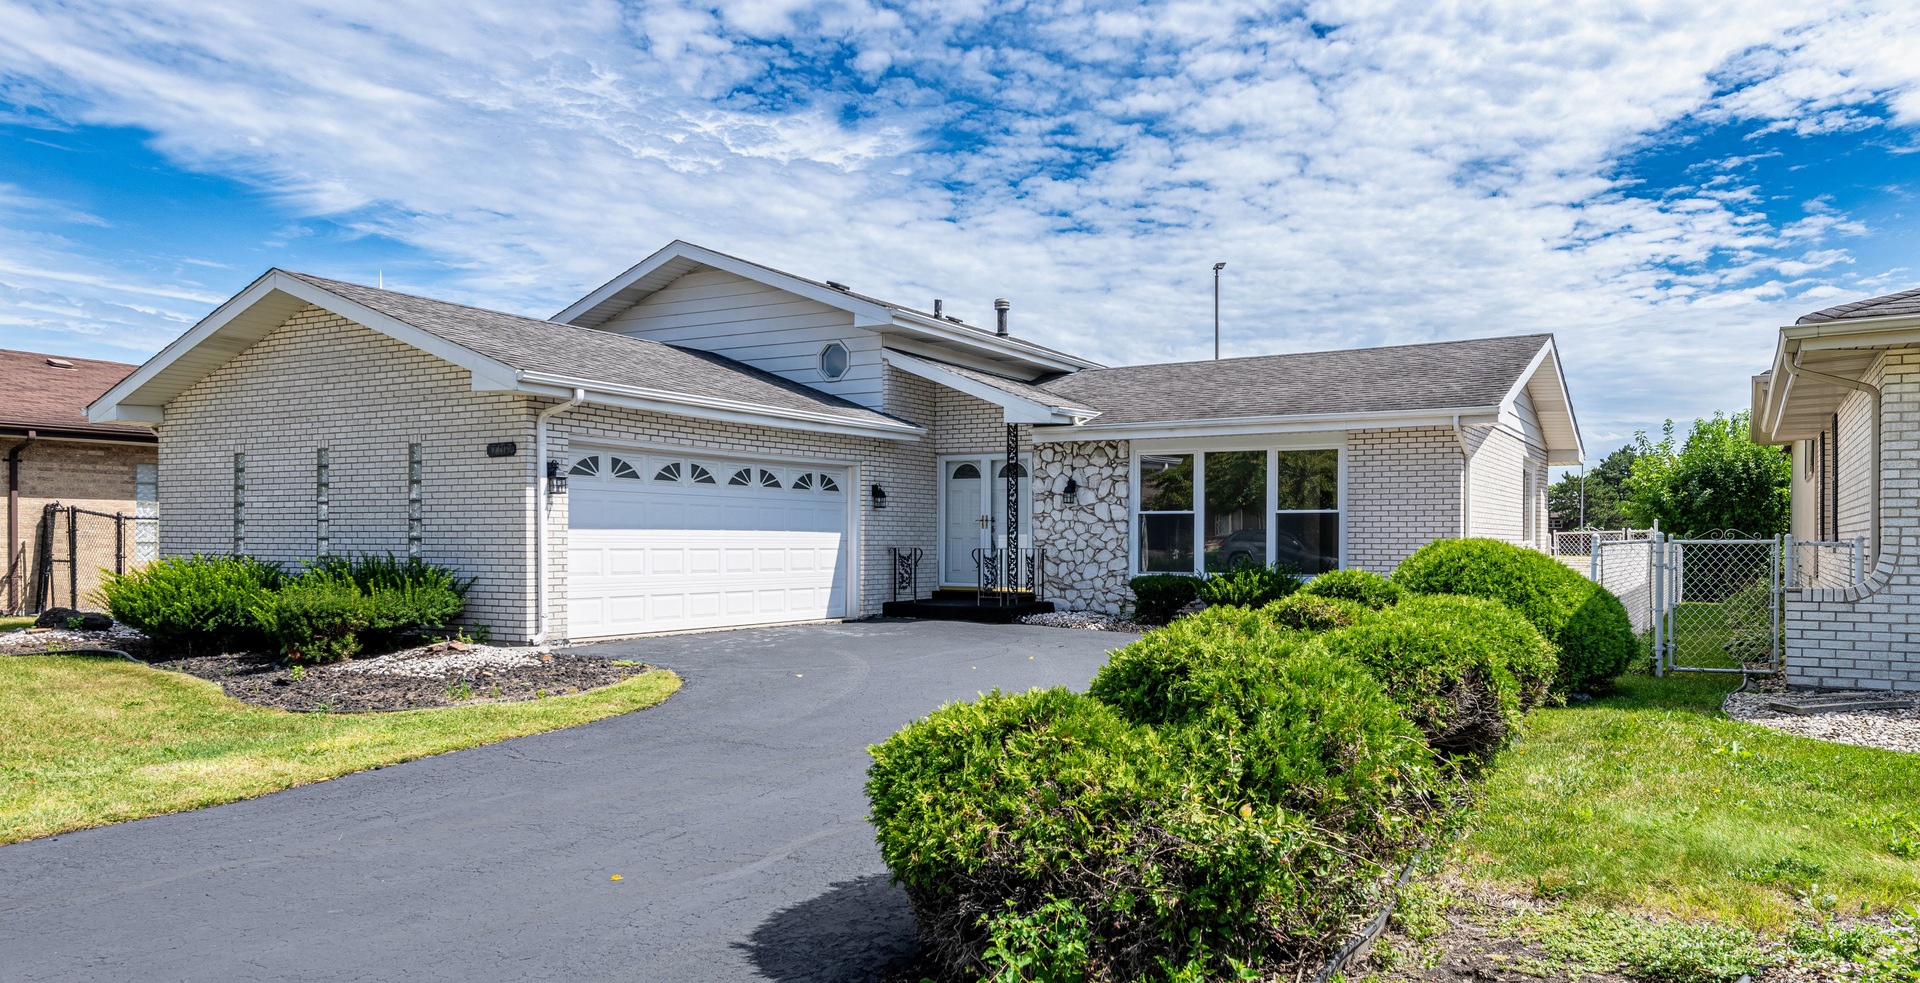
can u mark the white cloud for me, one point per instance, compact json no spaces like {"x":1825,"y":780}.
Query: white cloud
{"x":1421,"y":171}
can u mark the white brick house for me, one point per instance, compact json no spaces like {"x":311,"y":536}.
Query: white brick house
{"x":1844,"y":393}
{"x":706,"y":442}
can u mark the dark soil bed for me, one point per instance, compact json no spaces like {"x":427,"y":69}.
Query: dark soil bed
{"x":266,"y":681}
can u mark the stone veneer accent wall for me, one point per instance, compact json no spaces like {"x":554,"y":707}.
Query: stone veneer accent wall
{"x":1868,"y":637}
{"x":1085,"y":538}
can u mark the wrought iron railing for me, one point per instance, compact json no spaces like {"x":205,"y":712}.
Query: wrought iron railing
{"x":1010,"y":575}
{"x":904,"y":561}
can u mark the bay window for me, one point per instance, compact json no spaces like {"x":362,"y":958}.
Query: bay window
{"x":1203,"y":512}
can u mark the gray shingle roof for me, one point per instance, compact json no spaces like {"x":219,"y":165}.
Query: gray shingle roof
{"x":1442,"y":375}
{"x":1025,"y":390}
{"x":1891,"y":305}
{"x":587,"y":354}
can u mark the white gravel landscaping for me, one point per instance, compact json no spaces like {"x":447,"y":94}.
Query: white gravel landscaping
{"x":30,"y":641}
{"x":1080,"y":619}
{"x":443,"y":659}
{"x":1891,"y":730}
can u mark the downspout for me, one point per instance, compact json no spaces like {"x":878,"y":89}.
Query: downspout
{"x":542,"y":501}
{"x":1794,"y":368}
{"x":1466,"y":480}
{"x":13,"y":521}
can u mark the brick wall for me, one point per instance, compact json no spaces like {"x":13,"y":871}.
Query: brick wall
{"x":98,"y":477}
{"x":1498,"y":478}
{"x":1403,"y":492}
{"x":321,"y":380}
{"x":1868,"y":637}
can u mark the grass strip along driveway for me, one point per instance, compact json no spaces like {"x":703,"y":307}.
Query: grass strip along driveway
{"x":1650,"y":798}
{"x":92,"y":740}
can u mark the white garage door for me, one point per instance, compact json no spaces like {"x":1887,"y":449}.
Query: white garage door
{"x":664,"y":543}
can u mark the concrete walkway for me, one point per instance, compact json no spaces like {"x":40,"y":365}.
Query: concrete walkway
{"x":733,"y":813}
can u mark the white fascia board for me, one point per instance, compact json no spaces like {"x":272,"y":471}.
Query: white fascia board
{"x":866,"y":314}
{"x":1466,"y":415}
{"x":985,"y":341}
{"x":487,"y":373}
{"x":1015,"y":408}
{"x":706,"y":408}
{"x":127,"y":413}
{"x":1549,"y":354}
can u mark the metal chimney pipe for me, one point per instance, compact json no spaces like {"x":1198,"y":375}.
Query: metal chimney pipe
{"x":1001,"y":306}
{"x":936,"y":307}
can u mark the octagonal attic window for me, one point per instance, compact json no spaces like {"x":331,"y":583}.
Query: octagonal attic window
{"x":834,"y":360}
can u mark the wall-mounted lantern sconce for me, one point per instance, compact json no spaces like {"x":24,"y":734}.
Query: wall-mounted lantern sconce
{"x":556,"y":478}
{"x":1072,"y":490}
{"x":879,"y":497}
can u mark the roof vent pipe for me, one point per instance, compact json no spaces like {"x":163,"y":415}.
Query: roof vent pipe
{"x":936,"y":307}
{"x":1000,"y":307}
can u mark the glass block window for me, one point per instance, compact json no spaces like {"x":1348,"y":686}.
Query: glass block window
{"x":416,"y":512}
{"x":146,"y":511}
{"x":239,"y":503}
{"x":322,"y":498}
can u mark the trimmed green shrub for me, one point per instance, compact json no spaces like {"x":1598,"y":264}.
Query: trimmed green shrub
{"x":1254,"y":829}
{"x":372,"y":573}
{"x":1583,"y":620}
{"x":1464,"y":669}
{"x":1162,"y":677}
{"x":1157,"y":597}
{"x":199,"y":604}
{"x":316,"y":619}
{"x":1304,"y":612}
{"x":1353,"y":584}
{"x":1249,"y":586}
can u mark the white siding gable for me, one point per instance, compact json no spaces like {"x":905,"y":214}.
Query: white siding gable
{"x":763,"y":326}
{"x":1521,"y":416}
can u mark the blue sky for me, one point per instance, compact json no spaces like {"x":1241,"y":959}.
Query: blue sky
{"x":1659,"y":184}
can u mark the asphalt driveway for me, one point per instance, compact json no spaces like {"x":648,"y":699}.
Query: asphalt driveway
{"x":733,"y":813}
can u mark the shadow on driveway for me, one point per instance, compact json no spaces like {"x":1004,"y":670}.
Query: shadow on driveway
{"x":853,"y":932}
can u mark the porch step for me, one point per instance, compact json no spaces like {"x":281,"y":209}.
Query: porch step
{"x":955,"y":605}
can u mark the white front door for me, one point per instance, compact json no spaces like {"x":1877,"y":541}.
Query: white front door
{"x":974,"y":502}
{"x":966,"y":522}
{"x":668,"y":542}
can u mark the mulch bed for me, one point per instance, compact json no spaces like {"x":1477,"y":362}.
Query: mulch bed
{"x":444,"y":674}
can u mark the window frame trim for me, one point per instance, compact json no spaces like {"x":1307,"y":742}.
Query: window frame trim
{"x":1272,"y":444}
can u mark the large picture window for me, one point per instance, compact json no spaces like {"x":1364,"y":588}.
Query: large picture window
{"x":1166,"y":513}
{"x":1213,"y":511}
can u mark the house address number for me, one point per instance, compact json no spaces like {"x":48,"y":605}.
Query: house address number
{"x":502,"y":448}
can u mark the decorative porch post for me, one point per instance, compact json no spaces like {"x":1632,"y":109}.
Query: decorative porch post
{"x":1013,"y":506}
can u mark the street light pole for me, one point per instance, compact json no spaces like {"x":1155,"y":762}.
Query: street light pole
{"x":1217,"y":267}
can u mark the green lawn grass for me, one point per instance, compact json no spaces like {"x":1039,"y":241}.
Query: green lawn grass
{"x":11,"y":624}
{"x":1651,"y":798}
{"x":91,"y":741}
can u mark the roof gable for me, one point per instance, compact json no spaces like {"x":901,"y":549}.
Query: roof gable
{"x":678,"y":258}
{"x":502,"y":351}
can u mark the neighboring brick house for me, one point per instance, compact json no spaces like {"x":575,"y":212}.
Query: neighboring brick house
{"x":1844,"y":393}
{"x":707,"y":442}
{"x":74,"y":487}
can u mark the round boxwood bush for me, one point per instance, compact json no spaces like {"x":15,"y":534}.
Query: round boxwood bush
{"x":1464,"y":669}
{"x":1584,"y":621}
{"x":1303,"y":612}
{"x":1353,"y":584}
{"x":196,"y":603}
{"x":1154,"y":680}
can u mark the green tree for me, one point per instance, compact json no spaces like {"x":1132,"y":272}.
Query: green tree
{"x":1606,"y":485}
{"x":1717,"y":479}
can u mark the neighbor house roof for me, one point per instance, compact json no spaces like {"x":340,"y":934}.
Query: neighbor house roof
{"x":48,"y":395}
{"x":1906,"y":302}
{"x":942,"y":333}
{"x":503,"y":351}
